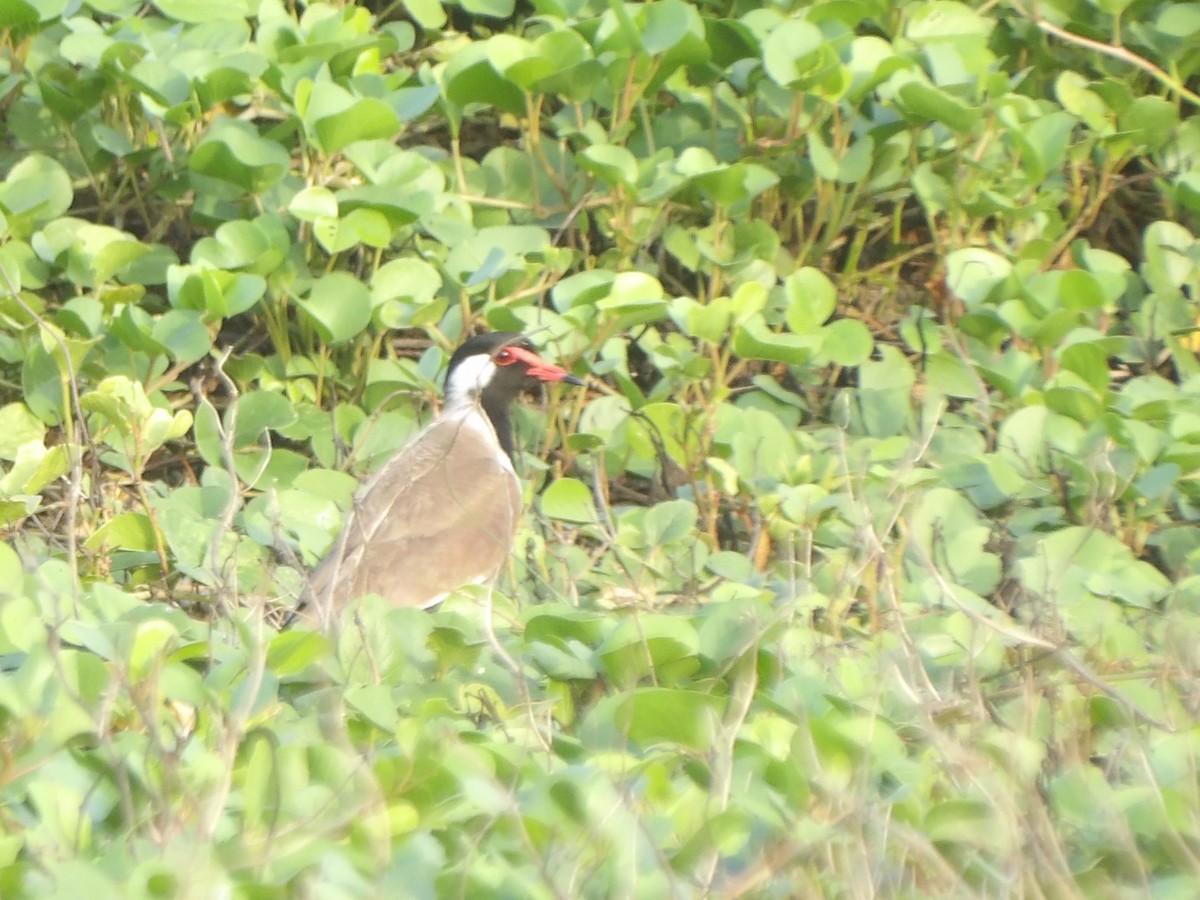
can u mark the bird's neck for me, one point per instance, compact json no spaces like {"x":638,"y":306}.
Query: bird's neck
{"x":497,"y":411}
{"x":498,"y":414}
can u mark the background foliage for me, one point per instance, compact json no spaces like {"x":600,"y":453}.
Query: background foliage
{"x":868,"y":568}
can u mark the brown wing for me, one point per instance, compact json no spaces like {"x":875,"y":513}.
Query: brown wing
{"x":438,"y":515}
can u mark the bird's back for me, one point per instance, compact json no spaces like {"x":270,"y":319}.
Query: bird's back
{"x":438,"y":515}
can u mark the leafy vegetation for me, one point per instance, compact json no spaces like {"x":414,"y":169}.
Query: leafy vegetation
{"x":869,"y":567}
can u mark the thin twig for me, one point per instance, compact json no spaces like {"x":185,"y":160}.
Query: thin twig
{"x":1115,"y":51}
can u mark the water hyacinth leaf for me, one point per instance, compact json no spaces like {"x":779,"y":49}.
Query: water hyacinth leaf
{"x":152,"y":639}
{"x":314,"y":203}
{"x":11,"y":572}
{"x":846,"y":168}
{"x":92,"y":253}
{"x":129,"y":423}
{"x":412,"y":102}
{"x":973,"y":272}
{"x":470,"y":77}
{"x":568,"y":500}
{"x":18,"y":426}
{"x":334,"y":118}
{"x":811,"y":299}
{"x":612,"y":164}
{"x":754,"y":340}
{"x":216,"y":293}
{"x":261,"y":411}
{"x":131,"y":531}
{"x":34,"y":466}
{"x":339,"y":305}
{"x":374,"y":702}
{"x":953,"y":538}
{"x":847,"y":342}
{"x":673,"y":32}
{"x":161,"y":84}
{"x":573,"y":70}
{"x":1133,"y":582}
{"x":791,"y":51}
{"x":495,"y":251}
{"x":1073,"y":91}
{"x":255,"y":246}
{"x":762,"y":449}
{"x":496,"y":9}
{"x":669,"y":521}
{"x":19,"y":15}
{"x":924,"y":102}
{"x":402,"y":287}
{"x":183,"y":334}
{"x":400,"y":206}
{"x":635,"y":298}
{"x":359,"y":226}
{"x":36,"y":190}
{"x":653,"y":716}
{"x":233,"y":151}
{"x":709,"y":323}
{"x":198,"y":12}
{"x":1149,"y":121}
{"x":1089,"y":361}
{"x":661,"y":644}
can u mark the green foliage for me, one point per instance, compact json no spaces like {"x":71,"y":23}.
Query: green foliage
{"x":872,"y":569}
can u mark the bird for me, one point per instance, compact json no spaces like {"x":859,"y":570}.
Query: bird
{"x":443,"y":511}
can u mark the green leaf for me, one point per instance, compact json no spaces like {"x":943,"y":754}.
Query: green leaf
{"x":334,"y":118}
{"x":1089,"y":361}
{"x":314,"y":203}
{"x":374,"y":702}
{"x":927,"y":103}
{"x":669,"y":521}
{"x":233,"y":151}
{"x":261,"y":411}
{"x":789,"y":51}
{"x":11,"y":574}
{"x":811,"y":299}
{"x":753,"y":340}
{"x":151,"y":639}
{"x":339,"y":305}
{"x":426,"y":13}
{"x":634,"y":298}
{"x":36,"y":190}
{"x":1150,"y":122}
{"x":130,"y":531}
{"x":972,"y":273}
{"x":18,"y":426}
{"x":653,"y":716}
{"x":662,"y":645}
{"x":201,"y":11}
{"x":183,"y":334}
{"x":610,"y":163}
{"x":847,"y":342}
{"x":569,"y":500}
{"x":470,"y":77}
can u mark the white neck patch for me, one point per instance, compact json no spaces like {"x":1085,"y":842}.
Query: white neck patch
{"x":468,"y":380}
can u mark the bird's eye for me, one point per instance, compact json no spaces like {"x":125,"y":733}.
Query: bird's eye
{"x":505,"y":357}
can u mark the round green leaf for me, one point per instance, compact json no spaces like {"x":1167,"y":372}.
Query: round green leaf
{"x":569,"y":500}
{"x":233,"y":151}
{"x":788,"y":50}
{"x":339,"y":305}
{"x":847,"y":342}
{"x":36,"y":190}
{"x":811,"y":299}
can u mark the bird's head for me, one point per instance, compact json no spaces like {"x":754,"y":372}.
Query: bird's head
{"x":497,"y":366}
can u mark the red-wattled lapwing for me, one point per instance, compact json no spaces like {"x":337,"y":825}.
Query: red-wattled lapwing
{"x":443,"y":511}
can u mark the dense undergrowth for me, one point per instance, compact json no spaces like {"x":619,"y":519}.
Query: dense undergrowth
{"x":868,"y":567}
